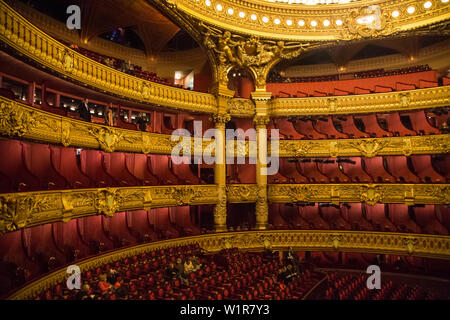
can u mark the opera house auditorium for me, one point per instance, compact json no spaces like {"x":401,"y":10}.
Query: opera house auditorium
{"x":224,"y":150}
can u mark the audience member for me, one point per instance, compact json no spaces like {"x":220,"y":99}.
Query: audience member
{"x":83,"y":110}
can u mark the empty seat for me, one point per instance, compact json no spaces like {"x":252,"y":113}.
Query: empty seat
{"x":354,"y":214}
{"x":137,"y":165}
{"x":306,"y":128}
{"x":275,"y":218}
{"x":246,"y":173}
{"x":181,"y":216}
{"x":312,"y":215}
{"x":332,"y":216}
{"x":398,"y":167}
{"x":162,"y":222}
{"x":442,"y":165}
{"x":161,"y":166}
{"x":327,"y":127}
{"x":376,"y":214}
{"x":354,"y":170}
{"x":372,"y":127}
{"x":92,"y":166}
{"x":423,"y":168}
{"x":115,"y":166}
{"x":12,"y":165}
{"x":396,"y":126}
{"x":184,"y":173}
{"x":38,"y":161}
{"x":349,"y":128}
{"x":287,"y":129}
{"x":426,"y":218}
{"x":420,"y":123}
{"x":332,"y":171}
{"x":310,"y":170}
{"x":375,"y":168}
{"x":399,"y":215}
{"x":292,"y":216}
{"x":288,"y":168}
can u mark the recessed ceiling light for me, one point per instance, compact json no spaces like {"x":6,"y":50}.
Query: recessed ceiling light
{"x":253,"y":17}
{"x":230,"y":11}
{"x":326,"y":23}
{"x":411,"y":10}
{"x":339,"y":22}
{"x":395,"y":14}
{"x":219,"y":7}
{"x":444,"y":1}
{"x":314,"y":23}
{"x":265,"y":19}
{"x":301,"y":23}
{"x":276,"y":21}
{"x":207,"y":3}
{"x":242,"y":14}
{"x":289,"y":22}
{"x":427,"y":5}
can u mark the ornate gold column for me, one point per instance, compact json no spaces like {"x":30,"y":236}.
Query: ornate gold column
{"x":220,"y":176}
{"x":261,"y":120}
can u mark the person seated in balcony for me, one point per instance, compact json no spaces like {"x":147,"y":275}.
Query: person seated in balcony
{"x":84,"y":293}
{"x":188,"y":266}
{"x":112,"y":276}
{"x":141,"y":121}
{"x":103,"y":284}
{"x":109,"y":117}
{"x":171,"y":272}
{"x":83,"y":110}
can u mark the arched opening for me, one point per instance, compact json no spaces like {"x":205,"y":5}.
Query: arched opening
{"x":241,"y":82}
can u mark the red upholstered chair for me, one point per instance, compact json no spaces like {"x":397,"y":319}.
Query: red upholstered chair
{"x":312,"y":172}
{"x":307,"y":129}
{"x":92,"y":166}
{"x":327,"y":127}
{"x":398,"y":167}
{"x":138,"y":165}
{"x":332,"y":171}
{"x":287,"y":129}
{"x":38,"y":161}
{"x":354,"y":170}
{"x":349,"y":127}
{"x":115,"y":166}
{"x":423,"y":167}
{"x":12,"y":165}
{"x":420,"y":123}
{"x":376,"y":169}
{"x":161,"y":167}
{"x":289,"y":170}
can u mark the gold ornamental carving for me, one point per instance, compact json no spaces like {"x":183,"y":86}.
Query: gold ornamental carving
{"x":366,"y":22}
{"x":108,"y":201}
{"x":418,"y":245}
{"x":15,"y":121}
{"x":221,"y":118}
{"x":371,"y":194}
{"x":369,"y":147}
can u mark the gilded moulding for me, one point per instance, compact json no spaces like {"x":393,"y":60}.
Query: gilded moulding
{"x":22,"y":210}
{"x":370,"y":194}
{"x":25,"y":38}
{"x":281,"y":21}
{"x":405,"y":244}
{"x":365,"y":103}
{"x":21,"y":121}
{"x":242,"y":193}
{"x":371,"y":147}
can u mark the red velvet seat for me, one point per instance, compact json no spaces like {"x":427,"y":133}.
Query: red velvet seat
{"x":332,"y":171}
{"x":420,"y":123}
{"x":115,"y":166}
{"x":399,"y":169}
{"x":355,"y":170}
{"x":289,"y":170}
{"x":349,"y":128}
{"x":377,"y":216}
{"x":246,"y":173}
{"x":161,"y":167}
{"x":375,"y":168}
{"x":306,"y":128}
{"x":92,"y":166}
{"x":287,"y":129}
{"x":184,"y":173}
{"x":327,"y":127}
{"x":334,"y":219}
{"x":181,"y":216}
{"x":426,"y":218}
{"x":424,"y":169}
{"x":275,"y":218}
{"x":312,"y":215}
{"x":396,"y":126}
{"x":39,"y":162}
{"x":12,"y":165}
{"x":311,"y":171}
{"x":399,"y":216}
{"x":354,"y":215}
{"x":372,"y":127}
{"x":137,"y":165}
